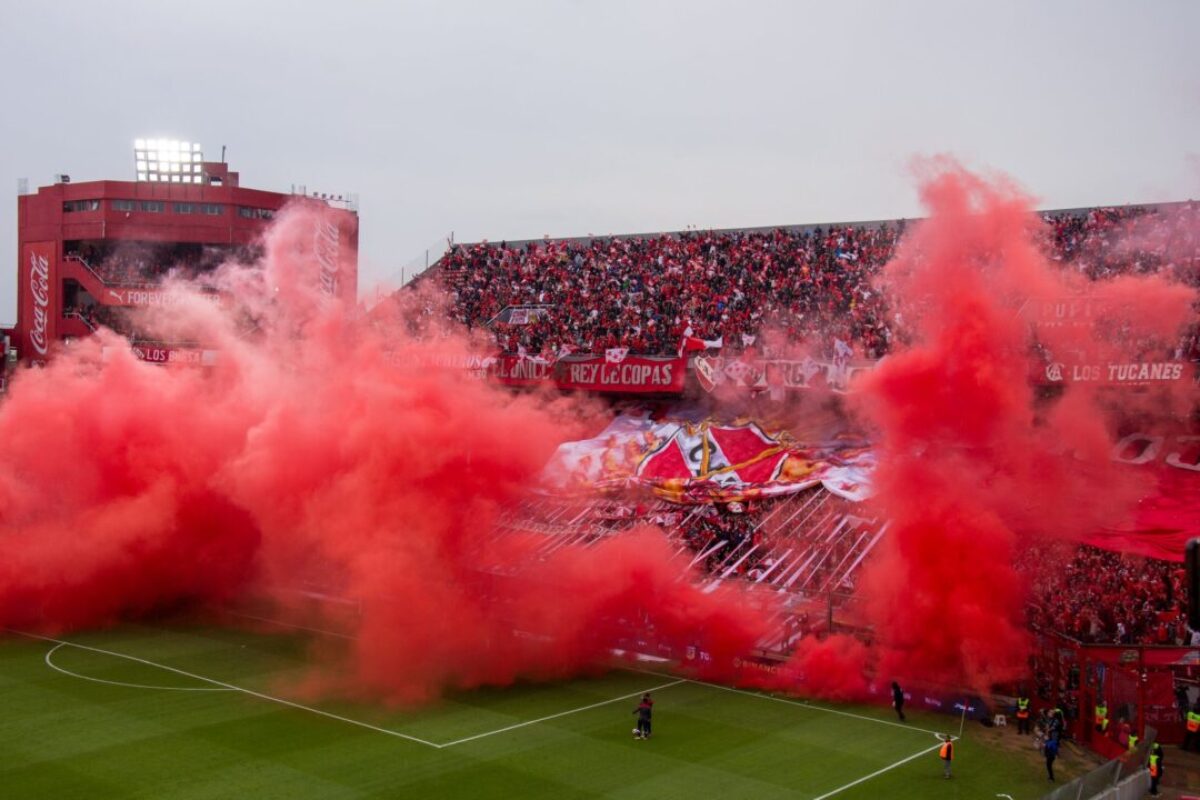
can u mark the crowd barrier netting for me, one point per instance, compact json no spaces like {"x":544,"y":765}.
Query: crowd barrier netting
{"x":1123,"y":778}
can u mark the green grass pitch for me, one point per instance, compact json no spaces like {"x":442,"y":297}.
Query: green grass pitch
{"x":203,"y":715}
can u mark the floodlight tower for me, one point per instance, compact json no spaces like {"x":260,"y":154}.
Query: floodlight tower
{"x":90,"y":251}
{"x":168,"y":161}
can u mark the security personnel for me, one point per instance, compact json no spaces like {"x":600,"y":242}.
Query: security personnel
{"x":1022,"y":713}
{"x":1156,"y":767}
{"x":1133,"y":740}
{"x":1100,"y":717}
{"x":946,"y":753}
{"x":1192,"y":739}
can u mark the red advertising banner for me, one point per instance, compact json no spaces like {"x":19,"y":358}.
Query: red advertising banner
{"x":637,"y":374}
{"x":519,"y":370}
{"x":757,"y":374}
{"x":154,"y":297}
{"x":38,"y":303}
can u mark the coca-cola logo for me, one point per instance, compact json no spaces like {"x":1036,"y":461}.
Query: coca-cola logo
{"x":39,"y":290}
{"x":328,"y":243}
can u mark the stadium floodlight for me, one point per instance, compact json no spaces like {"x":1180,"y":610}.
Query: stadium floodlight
{"x":168,"y":160}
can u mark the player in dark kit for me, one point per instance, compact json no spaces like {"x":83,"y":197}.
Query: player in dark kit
{"x":898,"y":699}
{"x":643,"y":711}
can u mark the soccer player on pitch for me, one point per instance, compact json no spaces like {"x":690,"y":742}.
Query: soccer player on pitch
{"x":643,"y":712}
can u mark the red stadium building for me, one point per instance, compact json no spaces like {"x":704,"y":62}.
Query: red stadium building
{"x":90,"y":251}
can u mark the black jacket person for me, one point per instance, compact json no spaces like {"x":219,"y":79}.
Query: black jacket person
{"x":643,"y":711}
{"x":898,"y":699}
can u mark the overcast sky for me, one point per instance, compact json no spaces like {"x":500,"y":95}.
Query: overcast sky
{"x":498,"y":119}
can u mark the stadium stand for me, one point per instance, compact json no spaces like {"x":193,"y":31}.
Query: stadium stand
{"x":808,"y":546}
{"x":813,"y":282}
{"x":1096,"y":596}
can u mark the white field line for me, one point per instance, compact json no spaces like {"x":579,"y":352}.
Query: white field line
{"x":515,"y":726}
{"x":878,"y":772}
{"x":231,"y":687}
{"x":222,"y":686}
{"x":565,"y":713}
{"x":799,"y":703}
{"x":57,"y":668}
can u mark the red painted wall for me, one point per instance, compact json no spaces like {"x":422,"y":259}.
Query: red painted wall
{"x":43,"y":226}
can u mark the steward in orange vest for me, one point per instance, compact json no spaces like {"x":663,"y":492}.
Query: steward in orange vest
{"x":946,"y":753}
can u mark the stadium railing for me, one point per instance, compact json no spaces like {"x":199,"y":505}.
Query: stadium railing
{"x":1124,"y":778}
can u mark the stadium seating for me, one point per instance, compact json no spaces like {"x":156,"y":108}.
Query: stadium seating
{"x":814,"y":283}
{"x":1105,"y":597}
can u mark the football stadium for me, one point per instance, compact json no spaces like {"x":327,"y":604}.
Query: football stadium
{"x":901,"y":507}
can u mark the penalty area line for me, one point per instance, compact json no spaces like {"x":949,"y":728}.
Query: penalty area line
{"x":563,"y":713}
{"x":878,"y":772}
{"x":231,"y":687}
{"x":50,"y":663}
{"x":798,"y":703}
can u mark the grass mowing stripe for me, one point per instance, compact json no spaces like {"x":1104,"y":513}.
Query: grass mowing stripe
{"x":230,"y":686}
{"x":50,"y":663}
{"x":878,"y":772}
{"x":565,"y":713}
{"x":801,"y":704}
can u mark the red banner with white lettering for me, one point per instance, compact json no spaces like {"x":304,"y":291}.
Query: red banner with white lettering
{"x":519,"y":370}
{"x":1168,"y":516}
{"x":38,"y":303}
{"x":635,"y":374}
{"x":150,"y":296}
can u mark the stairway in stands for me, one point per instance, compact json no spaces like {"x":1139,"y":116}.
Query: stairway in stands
{"x":807,"y":546}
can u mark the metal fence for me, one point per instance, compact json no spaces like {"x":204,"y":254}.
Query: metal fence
{"x":1123,"y":778}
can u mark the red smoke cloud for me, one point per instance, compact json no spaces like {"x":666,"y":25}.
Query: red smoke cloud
{"x":970,"y":461}
{"x":319,"y":451}
{"x":325,"y":451}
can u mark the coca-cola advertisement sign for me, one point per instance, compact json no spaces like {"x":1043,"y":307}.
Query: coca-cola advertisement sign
{"x":327,"y":246}
{"x":38,"y":303}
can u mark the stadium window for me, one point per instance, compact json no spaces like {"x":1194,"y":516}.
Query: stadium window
{"x":122,"y":205}
{"x":152,"y":206}
{"x":183,"y":208}
{"x":81,"y":205}
{"x":212,"y":209}
{"x":255,"y":213}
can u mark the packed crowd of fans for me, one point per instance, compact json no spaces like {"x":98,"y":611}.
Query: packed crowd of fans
{"x":1099,"y":597}
{"x":646,"y":293}
{"x":814,"y":284}
{"x":723,"y":533}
